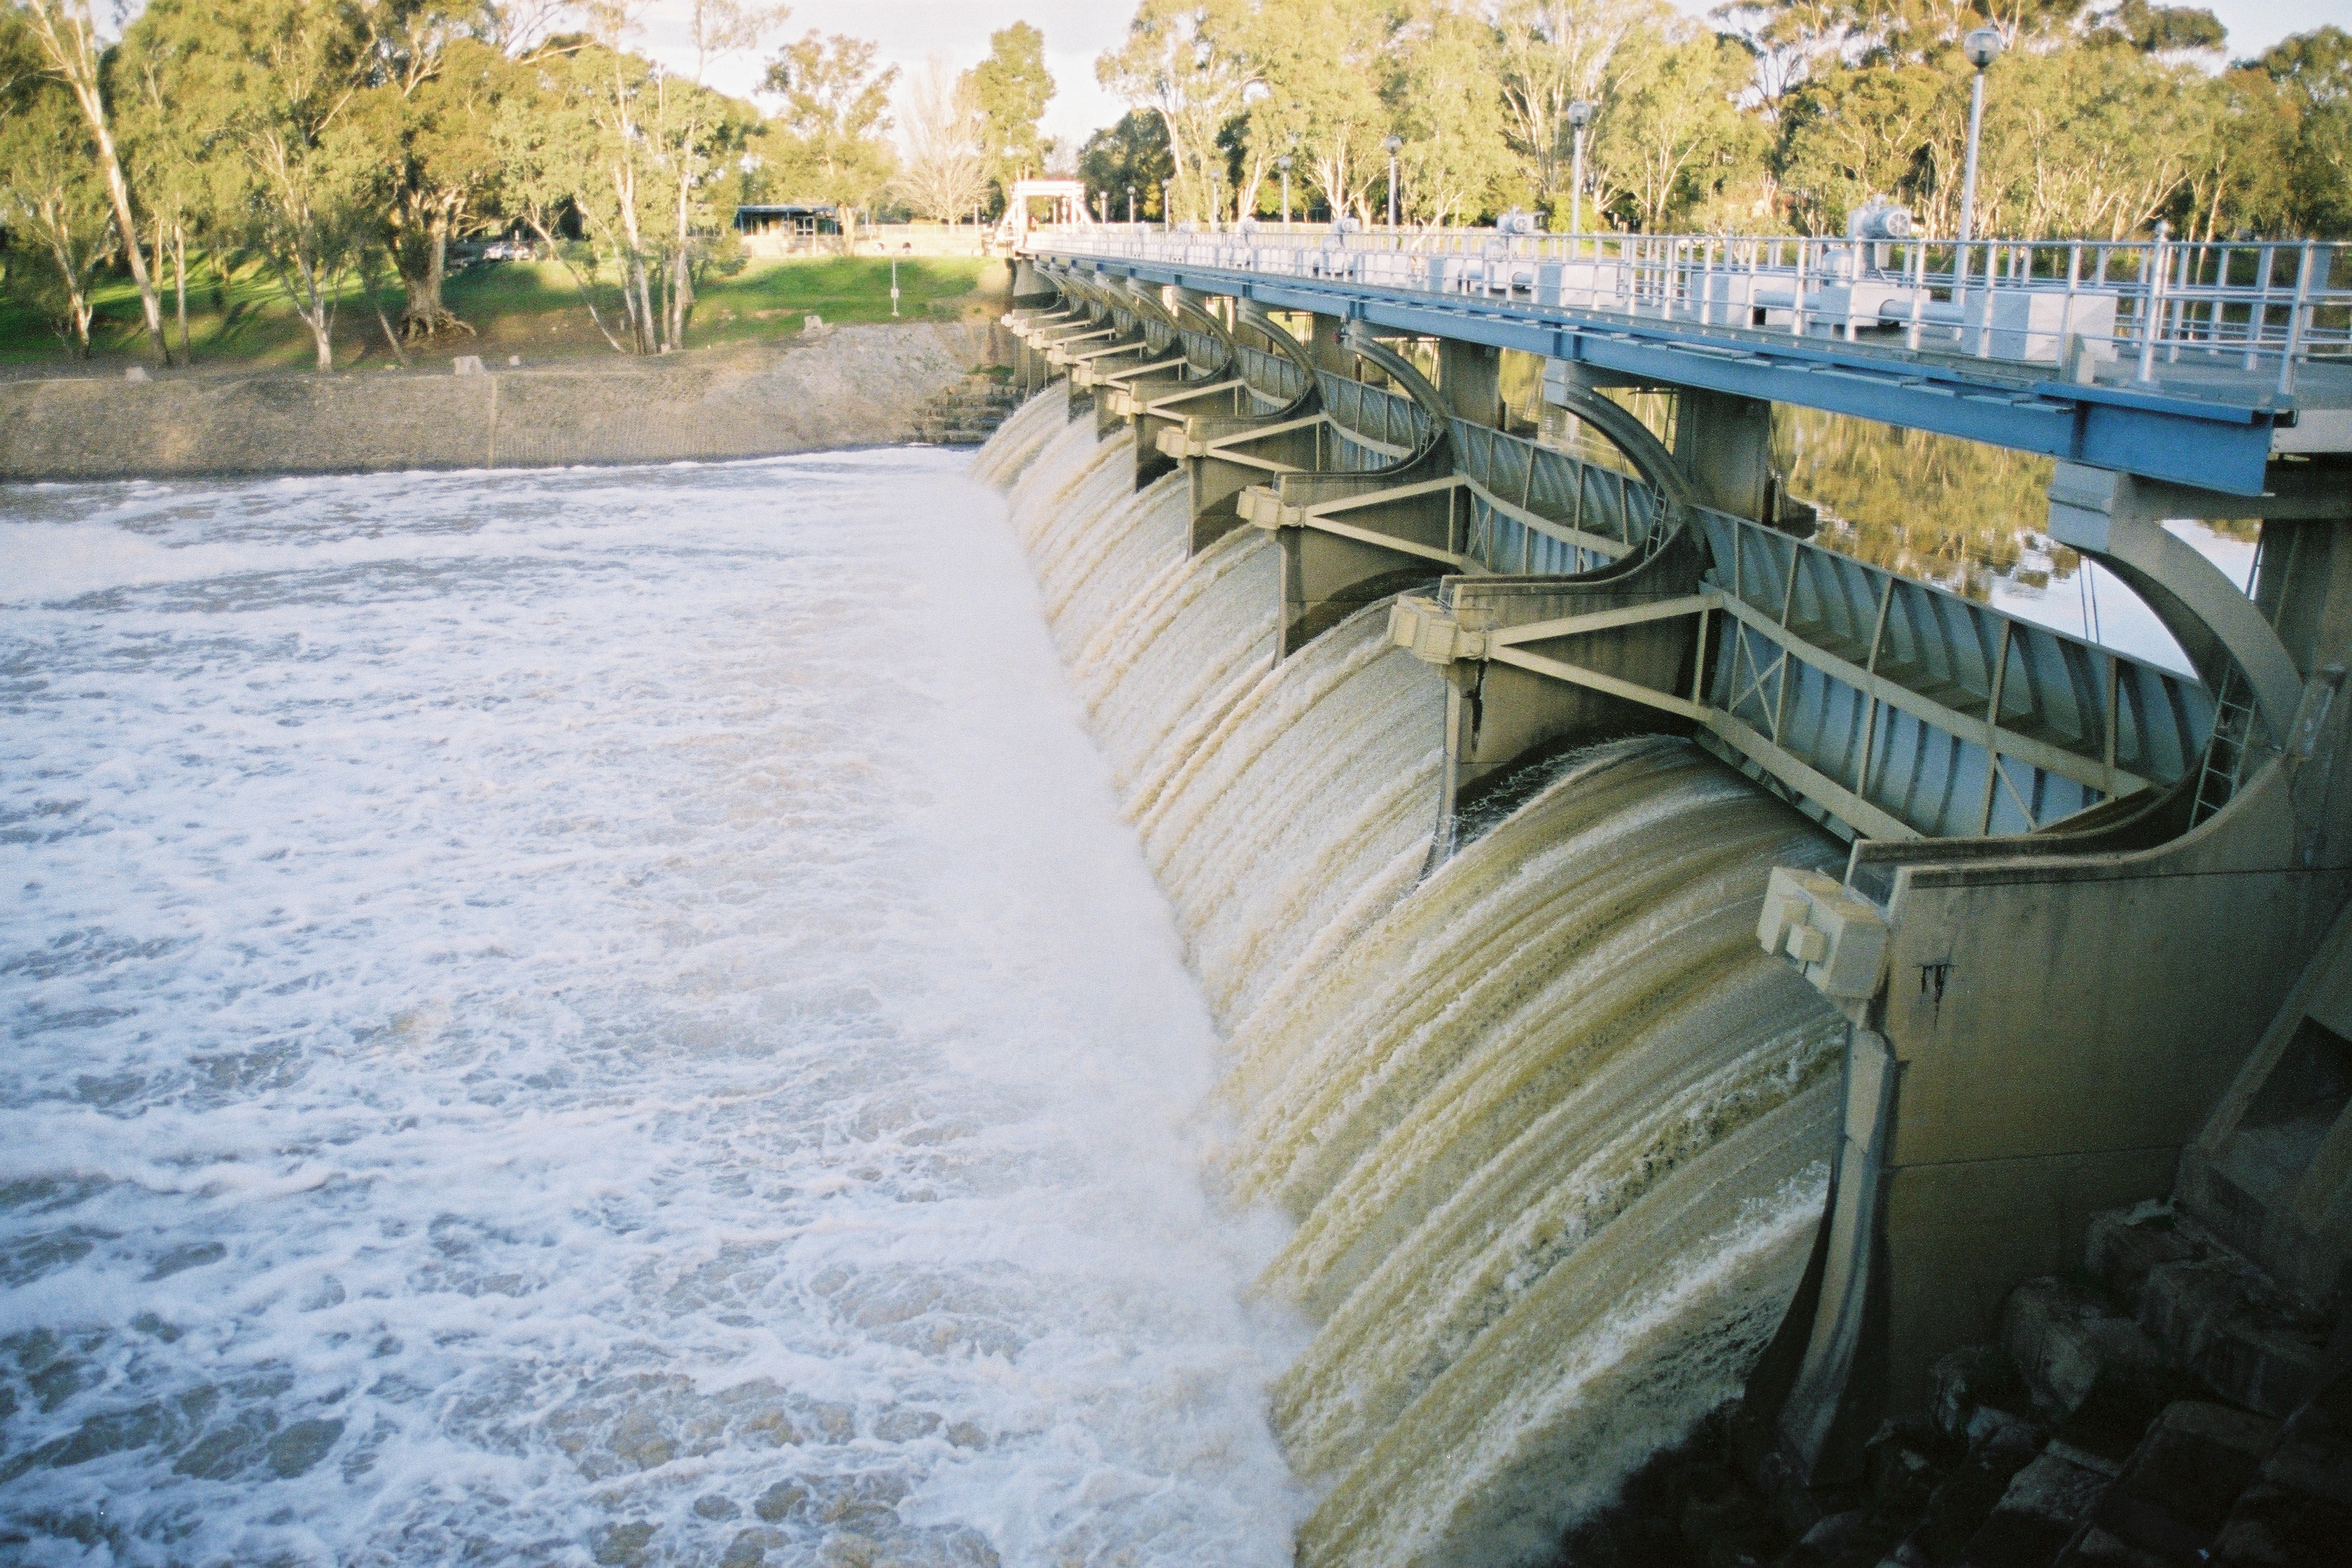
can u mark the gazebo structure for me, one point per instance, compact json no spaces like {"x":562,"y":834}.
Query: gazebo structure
{"x":1068,"y":208}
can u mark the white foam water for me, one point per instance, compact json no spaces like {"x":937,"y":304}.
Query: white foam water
{"x":594,"y":1016}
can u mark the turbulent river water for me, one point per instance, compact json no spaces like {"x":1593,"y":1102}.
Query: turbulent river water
{"x":612,"y":1016}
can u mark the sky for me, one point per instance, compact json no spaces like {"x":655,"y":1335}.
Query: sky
{"x":1078,"y":30}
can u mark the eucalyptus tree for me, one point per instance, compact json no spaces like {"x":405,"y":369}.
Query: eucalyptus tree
{"x":164,"y":147}
{"x":696,"y":127}
{"x":2095,"y":141}
{"x":2242,"y":179}
{"x":1848,"y":133}
{"x":616,"y":89}
{"x":53,"y":206}
{"x":449,"y":84}
{"x":1186,"y":61}
{"x":1316,"y":70}
{"x":297,"y":117}
{"x":829,"y":141}
{"x":552,"y":166}
{"x":1670,"y":130}
{"x":1456,"y":160}
{"x":1011,"y":89}
{"x":1130,"y":153}
{"x":2313,"y":73}
{"x":1554,"y":54}
{"x":944,"y":167}
{"x":67,"y":39}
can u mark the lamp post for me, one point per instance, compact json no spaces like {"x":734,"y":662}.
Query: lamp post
{"x":1130,"y":207}
{"x":1283,"y":163}
{"x":1167,"y":214}
{"x":1395,"y":144}
{"x":1216,"y":200}
{"x":1982,"y":46}
{"x":1579,"y":115}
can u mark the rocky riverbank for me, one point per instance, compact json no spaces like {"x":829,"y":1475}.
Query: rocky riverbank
{"x":846,"y":386}
{"x":2165,"y":1406}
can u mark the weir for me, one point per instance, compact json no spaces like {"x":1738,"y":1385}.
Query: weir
{"x":1662,"y":955}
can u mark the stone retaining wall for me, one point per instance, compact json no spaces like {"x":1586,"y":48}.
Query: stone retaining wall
{"x":849,"y":386}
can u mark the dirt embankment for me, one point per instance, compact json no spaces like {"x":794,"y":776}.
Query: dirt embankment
{"x":847,"y":386}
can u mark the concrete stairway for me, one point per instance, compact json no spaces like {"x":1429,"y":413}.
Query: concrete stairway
{"x":967,"y":412}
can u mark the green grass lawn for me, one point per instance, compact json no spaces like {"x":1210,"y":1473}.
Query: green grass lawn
{"x":526,"y":307}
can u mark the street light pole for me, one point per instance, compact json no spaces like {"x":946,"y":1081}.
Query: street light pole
{"x":1395,"y":144}
{"x":1579,"y":115}
{"x":1130,"y":207}
{"x":1982,"y":46}
{"x":1283,"y":163}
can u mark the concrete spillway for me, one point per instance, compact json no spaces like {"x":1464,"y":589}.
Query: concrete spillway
{"x":1550,"y":1131}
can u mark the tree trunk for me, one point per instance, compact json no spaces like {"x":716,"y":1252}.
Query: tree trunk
{"x":180,"y":281}
{"x":648,"y":324}
{"x":316,"y":314}
{"x":427,"y":314}
{"x":389,"y":335}
{"x":72,"y":54}
{"x":681,"y":272}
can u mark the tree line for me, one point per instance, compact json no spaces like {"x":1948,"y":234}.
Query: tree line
{"x":339,"y":147}
{"x":342,"y":144}
{"x":1778,"y":116}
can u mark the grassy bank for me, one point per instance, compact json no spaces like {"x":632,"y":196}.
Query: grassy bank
{"x":515,"y":308}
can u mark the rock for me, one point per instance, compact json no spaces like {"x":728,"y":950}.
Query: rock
{"x":849,"y":1551}
{"x":137,"y":372}
{"x":780,"y":1501}
{"x":1829,"y":1539}
{"x":2068,"y":1345}
{"x":2184,"y":1478}
{"x":2272,"y":1527}
{"x":304,"y":1444}
{"x":1999,"y":1444}
{"x":467,"y":364}
{"x":2123,"y":1245}
{"x":2097,"y":1549}
{"x":2039,"y":1511}
{"x":624,"y":1545}
{"x":1968,"y":1379}
{"x":1903,"y":1463}
{"x":751,"y":1548}
{"x":905,"y":1425}
{"x":2219,"y":1320}
{"x":2312,"y":1458}
{"x":638,"y":1439}
{"x":716,"y":1505}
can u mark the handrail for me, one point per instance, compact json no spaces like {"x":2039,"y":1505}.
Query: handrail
{"x":2267,"y":308}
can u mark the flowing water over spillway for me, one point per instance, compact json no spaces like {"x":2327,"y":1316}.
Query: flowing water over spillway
{"x":611,"y":1015}
{"x":1551,"y":1131}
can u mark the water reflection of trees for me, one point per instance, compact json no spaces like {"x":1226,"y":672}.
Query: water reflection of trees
{"x":1956,"y":513}
{"x":1951,"y":511}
